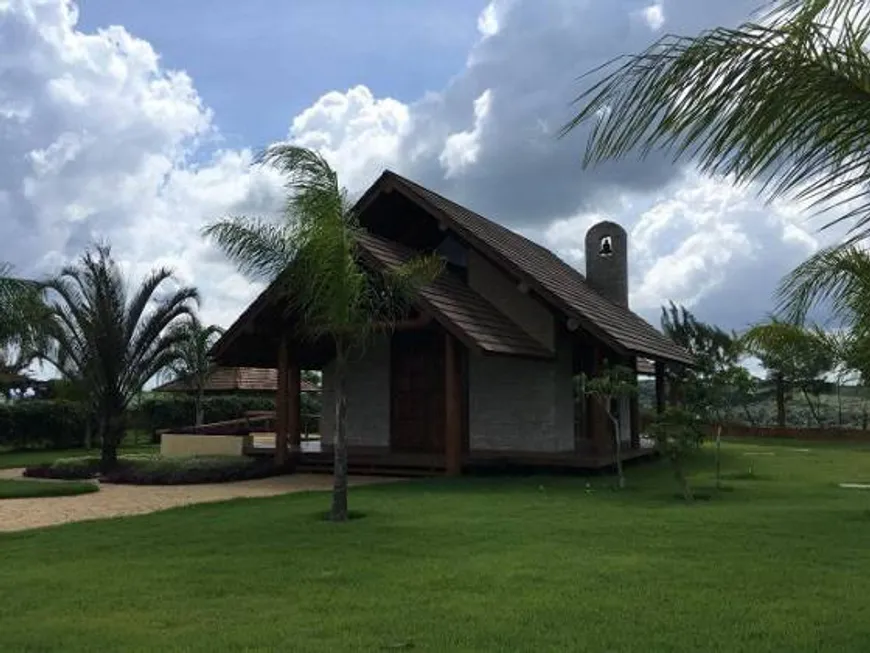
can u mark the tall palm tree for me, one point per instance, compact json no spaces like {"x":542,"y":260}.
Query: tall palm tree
{"x":109,"y":341}
{"x":783,"y":101}
{"x":192,"y":364}
{"x":331,"y":294}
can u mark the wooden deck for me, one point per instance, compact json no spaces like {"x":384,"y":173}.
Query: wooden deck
{"x":372,"y":461}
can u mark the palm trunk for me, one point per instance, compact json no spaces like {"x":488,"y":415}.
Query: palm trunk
{"x":780,"y":401}
{"x":618,"y":451}
{"x":813,"y":411}
{"x":198,"y":408}
{"x":839,"y":403}
{"x":339,"y":488}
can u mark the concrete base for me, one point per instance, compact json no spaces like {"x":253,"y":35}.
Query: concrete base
{"x":178,"y":444}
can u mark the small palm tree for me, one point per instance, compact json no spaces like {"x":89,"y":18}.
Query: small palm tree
{"x":793,"y":355}
{"x":782,"y":101}
{"x":331,"y":294}
{"x":110,"y":342}
{"x":192,"y":364}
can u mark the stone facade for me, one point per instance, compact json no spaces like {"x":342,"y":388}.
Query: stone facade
{"x":368,"y":398}
{"x":517,"y":404}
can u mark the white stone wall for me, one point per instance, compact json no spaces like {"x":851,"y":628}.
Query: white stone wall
{"x":518,"y":404}
{"x":368,"y":398}
{"x":533,"y":317}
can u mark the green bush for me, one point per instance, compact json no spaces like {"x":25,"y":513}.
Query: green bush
{"x":146,"y":469}
{"x":39,"y":423}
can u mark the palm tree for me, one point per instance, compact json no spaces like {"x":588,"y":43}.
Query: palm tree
{"x":782,"y":101}
{"x":331,"y":294}
{"x":23,"y":318}
{"x":110,"y":342}
{"x":192,"y":364}
{"x":793,"y":356}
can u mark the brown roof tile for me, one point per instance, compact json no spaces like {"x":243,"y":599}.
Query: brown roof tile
{"x":236,"y":379}
{"x":557,"y":281}
{"x":460,"y":308}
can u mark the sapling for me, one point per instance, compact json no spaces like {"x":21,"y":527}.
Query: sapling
{"x":613,"y":383}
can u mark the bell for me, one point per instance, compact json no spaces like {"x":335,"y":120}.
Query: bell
{"x":606,"y":249}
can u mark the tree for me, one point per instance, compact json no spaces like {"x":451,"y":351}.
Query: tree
{"x":612,"y":384}
{"x":712,"y":349}
{"x":23,"y":320}
{"x":192,"y":364}
{"x":331,"y":293}
{"x":793,"y":356}
{"x":677,"y":433}
{"x":110,"y":342}
{"x":781,"y":101}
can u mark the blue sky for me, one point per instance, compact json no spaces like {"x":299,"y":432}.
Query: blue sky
{"x":257,"y":63}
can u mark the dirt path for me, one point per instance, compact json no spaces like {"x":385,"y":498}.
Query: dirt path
{"x":120,"y":500}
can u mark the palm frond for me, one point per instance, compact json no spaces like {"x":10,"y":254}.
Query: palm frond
{"x":838,"y":277}
{"x":259,"y":248}
{"x":784,"y":101}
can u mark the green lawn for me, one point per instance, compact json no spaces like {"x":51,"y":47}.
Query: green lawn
{"x":23,"y":489}
{"x":779,"y":563}
{"x":23,"y":458}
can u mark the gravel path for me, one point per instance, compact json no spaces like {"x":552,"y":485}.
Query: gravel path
{"x":121,"y":500}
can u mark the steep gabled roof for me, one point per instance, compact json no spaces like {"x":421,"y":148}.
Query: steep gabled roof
{"x":458,"y":308}
{"x":555,"y":281}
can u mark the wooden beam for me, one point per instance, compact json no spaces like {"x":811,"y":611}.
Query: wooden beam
{"x":294,"y":405}
{"x":282,"y":422}
{"x":452,"y":407}
{"x":660,"y":387}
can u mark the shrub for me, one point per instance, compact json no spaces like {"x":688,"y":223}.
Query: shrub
{"x":39,"y":423}
{"x":155,"y":470}
{"x":66,"y":469}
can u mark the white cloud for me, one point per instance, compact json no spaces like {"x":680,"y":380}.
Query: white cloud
{"x":462,"y":148}
{"x":98,"y":140}
{"x":358,"y":134}
{"x":654,"y":15}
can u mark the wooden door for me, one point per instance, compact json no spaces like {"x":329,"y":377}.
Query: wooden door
{"x":417,"y":392}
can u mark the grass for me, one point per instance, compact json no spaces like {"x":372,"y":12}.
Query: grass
{"x":16,"y":489}
{"x":474,"y":564}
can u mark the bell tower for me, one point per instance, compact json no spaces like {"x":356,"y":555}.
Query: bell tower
{"x":607,"y":261}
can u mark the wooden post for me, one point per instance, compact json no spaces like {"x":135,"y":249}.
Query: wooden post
{"x":660,"y":387}
{"x":281,"y":407}
{"x":452,"y":408}
{"x":294,"y":406}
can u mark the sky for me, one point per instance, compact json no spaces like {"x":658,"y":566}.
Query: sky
{"x":135,"y":123}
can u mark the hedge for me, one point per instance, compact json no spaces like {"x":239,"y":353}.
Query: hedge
{"x":38,"y":423}
{"x":155,"y":470}
{"x":161,"y":412}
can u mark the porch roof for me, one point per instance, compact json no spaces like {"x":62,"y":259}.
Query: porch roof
{"x":235,"y":379}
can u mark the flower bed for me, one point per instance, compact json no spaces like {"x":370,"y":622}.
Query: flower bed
{"x":156,"y":470}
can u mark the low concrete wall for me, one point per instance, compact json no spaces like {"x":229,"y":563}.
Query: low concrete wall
{"x":175,"y":444}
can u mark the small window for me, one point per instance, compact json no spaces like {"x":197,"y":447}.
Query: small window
{"x":605,"y":246}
